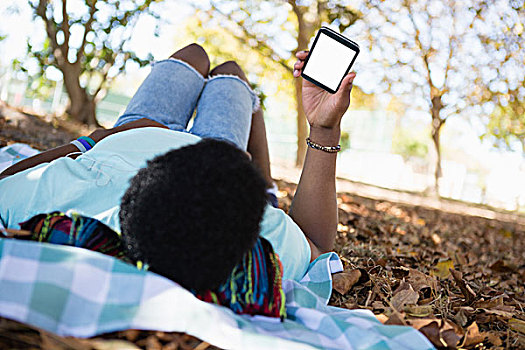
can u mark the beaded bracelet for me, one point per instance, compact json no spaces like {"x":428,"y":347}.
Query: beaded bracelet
{"x":89,"y":140}
{"x":329,"y":149}
{"x":83,"y":143}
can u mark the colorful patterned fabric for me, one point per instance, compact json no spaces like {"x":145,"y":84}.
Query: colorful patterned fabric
{"x":74,"y":230}
{"x":254,"y":286}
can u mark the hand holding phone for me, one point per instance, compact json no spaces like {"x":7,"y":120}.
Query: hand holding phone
{"x":330,"y":59}
{"x":324,"y":106}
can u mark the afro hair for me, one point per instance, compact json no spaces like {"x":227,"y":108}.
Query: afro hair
{"x":192,"y":213}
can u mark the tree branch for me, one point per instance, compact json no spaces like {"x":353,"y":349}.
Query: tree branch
{"x":452,"y":44}
{"x":65,"y":29}
{"x":423,"y":52}
{"x":303,"y":30}
{"x":297,"y":9}
{"x":51,"y":32}
{"x":260,"y":44}
{"x":87,"y":27}
{"x":105,"y":81}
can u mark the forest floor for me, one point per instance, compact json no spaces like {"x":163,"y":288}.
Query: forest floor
{"x":458,"y":278}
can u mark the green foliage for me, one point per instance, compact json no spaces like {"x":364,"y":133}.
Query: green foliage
{"x":262,"y":25}
{"x":409,"y":144}
{"x":337,"y":13}
{"x":89,"y":43}
{"x":221,"y":45}
{"x":40,"y":87}
{"x":506,"y":125}
{"x":16,"y":66}
{"x":344,"y":140}
{"x":445,"y":56}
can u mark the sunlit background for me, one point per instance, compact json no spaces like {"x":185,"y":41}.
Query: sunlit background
{"x":467,"y":61}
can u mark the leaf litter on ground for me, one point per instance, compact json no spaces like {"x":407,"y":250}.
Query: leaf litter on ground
{"x":458,"y":279}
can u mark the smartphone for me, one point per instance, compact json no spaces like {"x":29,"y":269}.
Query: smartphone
{"x":330,"y":59}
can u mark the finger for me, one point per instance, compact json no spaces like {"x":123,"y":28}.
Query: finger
{"x":298,"y":68}
{"x":347,"y":83}
{"x":302,"y":54}
{"x":298,"y":65}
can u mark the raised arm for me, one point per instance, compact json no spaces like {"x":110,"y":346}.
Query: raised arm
{"x":314,"y":207}
{"x":64,"y":150}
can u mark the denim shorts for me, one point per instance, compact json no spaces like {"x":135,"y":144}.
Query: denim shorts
{"x":174,"y":90}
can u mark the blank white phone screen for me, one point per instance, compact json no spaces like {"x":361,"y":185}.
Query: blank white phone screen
{"x":328,"y":61}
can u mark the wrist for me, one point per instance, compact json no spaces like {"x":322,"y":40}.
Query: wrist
{"x":325,"y":136}
{"x":99,"y":134}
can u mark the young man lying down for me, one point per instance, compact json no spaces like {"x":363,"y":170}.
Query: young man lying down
{"x":191,"y":205}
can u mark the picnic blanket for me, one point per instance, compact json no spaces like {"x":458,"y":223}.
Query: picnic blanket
{"x":11,"y":154}
{"x":75,"y":292}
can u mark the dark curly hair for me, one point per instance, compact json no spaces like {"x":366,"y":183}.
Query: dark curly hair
{"x":193,"y":213}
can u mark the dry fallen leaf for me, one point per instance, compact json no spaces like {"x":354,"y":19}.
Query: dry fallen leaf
{"x":419,"y":310}
{"x":432,"y":332}
{"x":487,"y":304}
{"x":472,"y":336}
{"x":497,"y":311}
{"x":418,"y":280}
{"x":469,"y":294}
{"x":404,"y":295}
{"x":493,"y":339}
{"x":502,"y":266}
{"x":441,"y":269}
{"x":517,"y":325}
{"x":450,"y":338}
{"x":344,"y":281}
{"x":397,"y":319}
{"x":440,"y":333}
{"x":114,"y":344}
{"x":462,"y":317}
{"x":382,"y":318}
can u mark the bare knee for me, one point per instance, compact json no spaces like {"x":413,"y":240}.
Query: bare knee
{"x":229,"y":68}
{"x":196,"y":57}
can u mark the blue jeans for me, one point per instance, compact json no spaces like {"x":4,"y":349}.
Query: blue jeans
{"x":174,"y":89}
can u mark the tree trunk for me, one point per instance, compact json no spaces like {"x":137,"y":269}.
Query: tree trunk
{"x":84,"y":111}
{"x":437,"y":124}
{"x":82,"y":106}
{"x":437,"y":172}
{"x":302,"y":128}
{"x":304,"y":31}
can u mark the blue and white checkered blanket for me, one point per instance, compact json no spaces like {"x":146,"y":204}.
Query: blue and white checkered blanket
{"x":75,"y":292}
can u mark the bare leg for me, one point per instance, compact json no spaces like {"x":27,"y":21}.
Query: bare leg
{"x":229,"y":68}
{"x":195,"y":56}
{"x":258,"y":147}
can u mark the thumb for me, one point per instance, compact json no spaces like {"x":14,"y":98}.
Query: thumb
{"x":347,"y":83}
